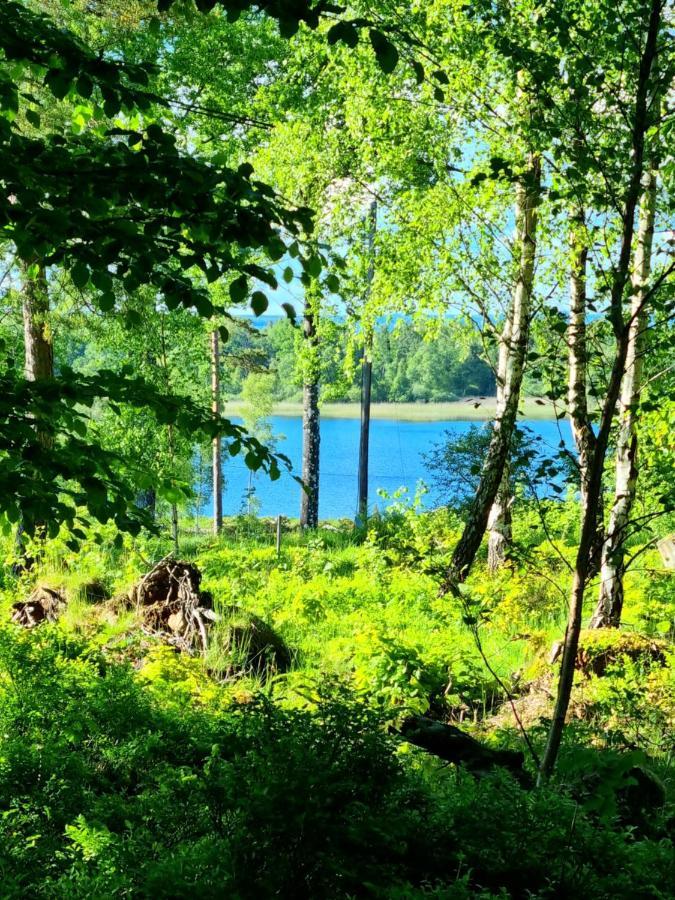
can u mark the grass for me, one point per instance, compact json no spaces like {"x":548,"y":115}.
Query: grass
{"x":467,"y":410}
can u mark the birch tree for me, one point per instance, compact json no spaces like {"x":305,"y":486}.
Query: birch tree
{"x":638,"y":111}
{"x":610,"y":601}
{"x":513,"y":350}
{"x":577,"y":393}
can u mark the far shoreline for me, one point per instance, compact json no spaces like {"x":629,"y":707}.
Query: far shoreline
{"x":474,"y":409}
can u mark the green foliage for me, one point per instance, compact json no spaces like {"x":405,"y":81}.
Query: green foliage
{"x":114,"y":783}
{"x":89,"y":482}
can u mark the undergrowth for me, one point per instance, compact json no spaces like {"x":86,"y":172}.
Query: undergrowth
{"x":128,"y":769}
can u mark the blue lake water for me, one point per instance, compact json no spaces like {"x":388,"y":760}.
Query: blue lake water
{"x":396,"y":461}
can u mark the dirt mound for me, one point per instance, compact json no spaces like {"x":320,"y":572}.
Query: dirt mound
{"x":251,"y":646}
{"x":43,"y":605}
{"x":94,"y":591}
{"x":172,"y":604}
{"x":600,"y":648}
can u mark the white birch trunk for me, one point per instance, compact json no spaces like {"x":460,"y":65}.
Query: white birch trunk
{"x":499,"y":520}
{"x":610,"y":600}
{"x":577,"y":392}
{"x":514,"y":348}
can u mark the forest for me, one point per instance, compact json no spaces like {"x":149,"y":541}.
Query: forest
{"x":407,"y":368}
{"x":209,"y":208}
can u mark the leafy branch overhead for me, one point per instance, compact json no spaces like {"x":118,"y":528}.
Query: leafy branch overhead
{"x":119,"y":206}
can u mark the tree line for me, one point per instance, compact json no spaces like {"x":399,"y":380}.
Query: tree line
{"x":408,"y":366}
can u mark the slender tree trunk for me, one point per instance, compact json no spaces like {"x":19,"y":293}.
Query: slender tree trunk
{"x":174,"y":506}
{"x":500,"y":530}
{"x":311,"y":422}
{"x":610,"y":601}
{"x":174,"y":527}
{"x":366,"y":377}
{"x":516,"y":330}
{"x":364,"y":438}
{"x":38,"y":345}
{"x":499,"y":520}
{"x":622,"y":332}
{"x":577,"y":392}
{"x":217,"y":463}
{"x":38,"y":366}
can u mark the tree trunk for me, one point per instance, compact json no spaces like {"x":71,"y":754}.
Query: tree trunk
{"x":577,"y":392}
{"x":217,"y":463}
{"x":514,"y":348}
{"x":621,"y":330}
{"x":174,"y":527}
{"x":366,"y":377}
{"x":38,"y":366}
{"x":610,"y":601}
{"x":364,"y":438}
{"x":499,"y":520}
{"x":38,"y":346}
{"x":311,"y":435}
{"x":499,"y":523}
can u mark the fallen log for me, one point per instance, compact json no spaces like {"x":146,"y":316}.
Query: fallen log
{"x":455,"y":746}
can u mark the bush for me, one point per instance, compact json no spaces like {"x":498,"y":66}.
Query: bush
{"x":109,"y":787}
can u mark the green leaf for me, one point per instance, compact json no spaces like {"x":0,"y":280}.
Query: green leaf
{"x":289,"y":310}
{"x":333,"y":283}
{"x":58,"y":83}
{"x":343,"y":32}
{"x":259,"y":302}
{"x":312,"y":265}
{"x":80,"y":274}
{"x":252,"y":461}
{"x":106,"y":303}
{"x":385,"y":52}
{"x":239,"y":289}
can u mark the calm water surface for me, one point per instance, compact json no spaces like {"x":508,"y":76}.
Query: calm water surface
{"x":396,"y":461}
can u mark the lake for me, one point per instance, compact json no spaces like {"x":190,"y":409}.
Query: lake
{"x":396,"y":461}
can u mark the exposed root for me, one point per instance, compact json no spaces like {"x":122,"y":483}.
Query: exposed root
{"x":172,"y":605}
{"x":43,"y":605}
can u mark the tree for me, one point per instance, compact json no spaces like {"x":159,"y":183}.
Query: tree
{"x":217,"y":466}
{"x":610,"y":601}
{"x":311,"y":421}
{"x":512,"y":352}
{"x":639,"y":124}
{"x":366,"y":377}
{"x":145,"y":215}
{"x":577,"y":396}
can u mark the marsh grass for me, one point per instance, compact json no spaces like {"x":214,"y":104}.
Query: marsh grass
{"x":479,"y":409}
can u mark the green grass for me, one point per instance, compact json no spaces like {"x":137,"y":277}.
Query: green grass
{"x":470,"y":410}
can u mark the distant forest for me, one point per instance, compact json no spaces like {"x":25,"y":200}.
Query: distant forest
{"x":409,"y":364}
